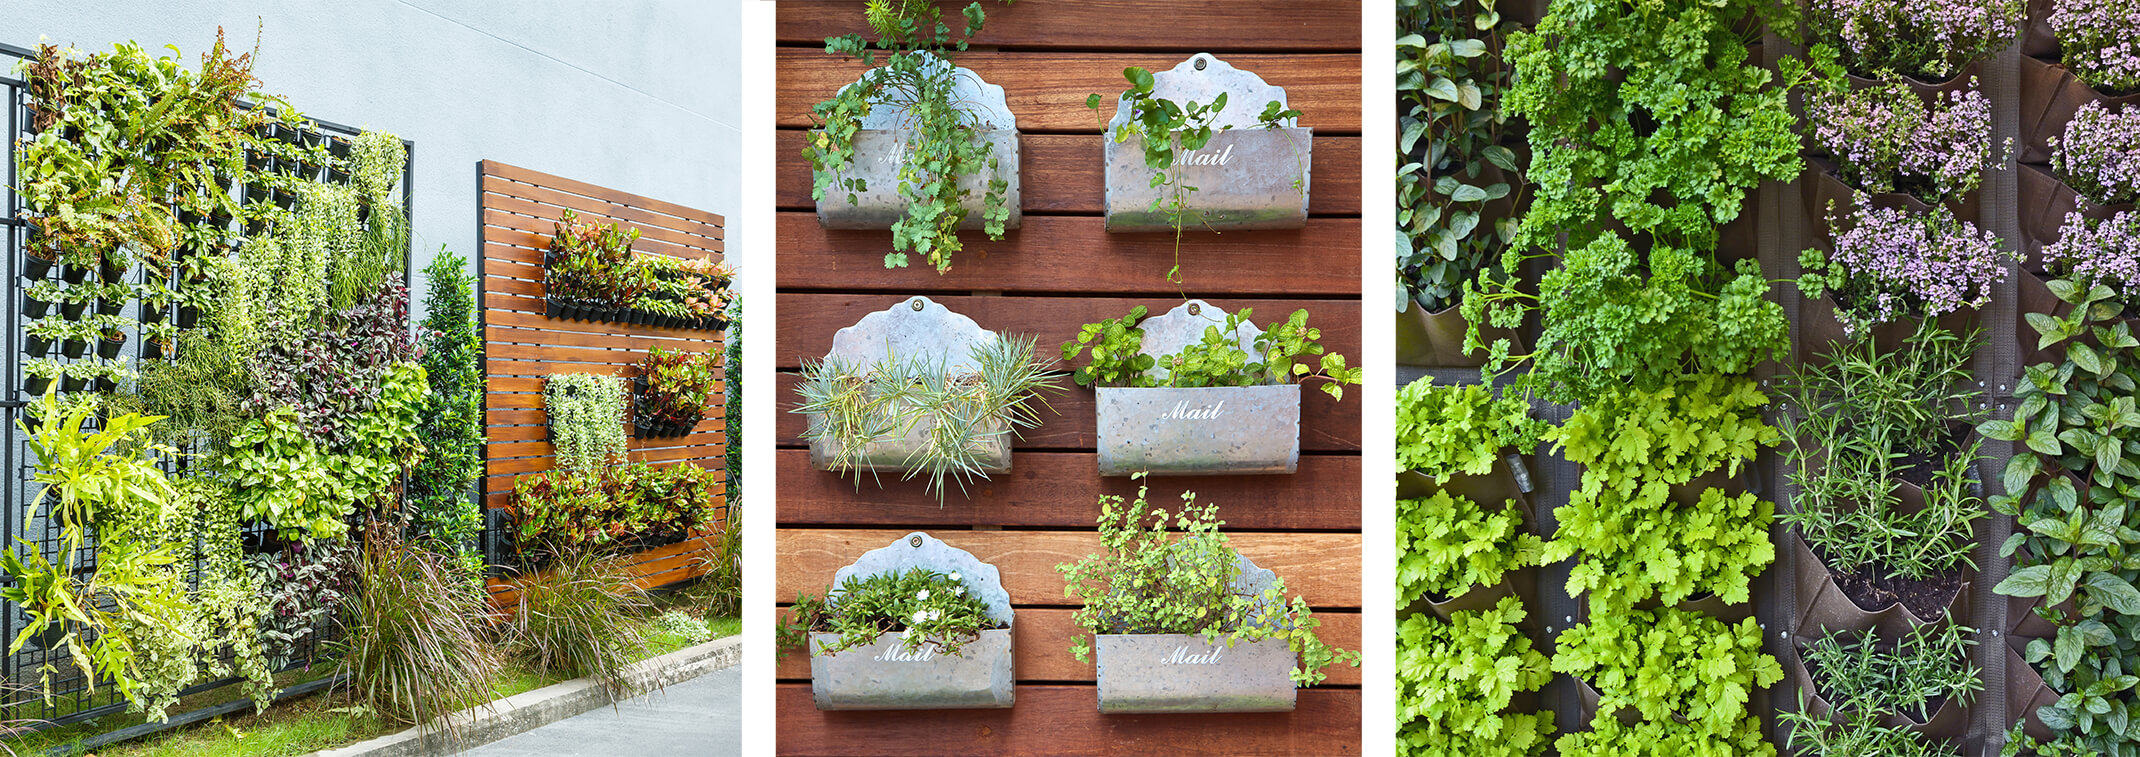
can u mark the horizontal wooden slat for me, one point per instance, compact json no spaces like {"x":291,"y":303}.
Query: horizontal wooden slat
{"x":497,"y":334}
{"x":1060,"y":489}
{"x":706,"y":433}
{"x":1058,"y":254}
{"x":491,"y":168}
{"x":542,"y":219}
{"x":1220,"y":25}
{"x":1042,"y":637}
{"x":1065,"y":720}
{"x":1324,"y":569}
{"x":556,"y":201}
{"x":511,"y":227}
{"x":651,"y":569}
{"x":1065,"y":173}
{"x":536,"y":320}
{"x":1047,"y":90}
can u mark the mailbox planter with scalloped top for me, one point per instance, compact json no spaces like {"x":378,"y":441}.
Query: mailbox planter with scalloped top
{"x":886,"y":676}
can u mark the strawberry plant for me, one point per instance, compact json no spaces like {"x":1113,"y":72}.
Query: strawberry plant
{"x":1446,"y":430}
{"x":1448,"y":545}
{"x":1456,"y":679}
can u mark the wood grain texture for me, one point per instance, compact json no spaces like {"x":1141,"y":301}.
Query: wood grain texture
{"x":1047,"y":90}
{"x":1063,"y":174}
{"x":1065,"y":720}
{"x":649,"y":569}
{"x":1221,"y":25}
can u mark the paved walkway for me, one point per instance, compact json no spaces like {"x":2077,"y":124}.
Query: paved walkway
{"x":702,"y":716}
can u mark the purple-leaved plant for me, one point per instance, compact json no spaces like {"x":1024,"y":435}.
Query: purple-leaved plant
{"x":2099,"y":155}
{"x":2100,"y":40}
{"x":1890,"y":263}
{"x":1887,"y":139}
{"x":2098,"y":251}
{"x":1928,"y":39}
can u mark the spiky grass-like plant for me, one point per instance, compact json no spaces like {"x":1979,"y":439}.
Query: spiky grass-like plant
{"x":416,"y":644}
{"x":960,"y":415}
{"x":578,"y":618}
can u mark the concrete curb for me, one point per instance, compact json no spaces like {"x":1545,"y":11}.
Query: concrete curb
{"x":527,"y":711}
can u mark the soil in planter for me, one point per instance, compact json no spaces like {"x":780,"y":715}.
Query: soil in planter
{"x":1873,"y":589}
{"x":1917,"y":468}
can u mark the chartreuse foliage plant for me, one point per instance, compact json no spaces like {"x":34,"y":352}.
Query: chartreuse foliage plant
{"x":1283,"y":353}
{"x":1448,"y":545}
{"x":1149,"y":581}
{"x":1668,"y":665}
{"x":1456,"y":679}
{"x":1638,"y":442}
{"x":1444,"y":430}
{"x":1450,"y":122}
{"x":923,"y":606}
{"x":940,"y":140}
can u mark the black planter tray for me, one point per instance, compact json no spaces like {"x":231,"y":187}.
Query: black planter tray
{"x":571,"y":310}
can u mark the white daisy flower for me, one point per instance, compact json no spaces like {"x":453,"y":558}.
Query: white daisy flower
{"x":921,"y":616}
{"x":923,"y":595}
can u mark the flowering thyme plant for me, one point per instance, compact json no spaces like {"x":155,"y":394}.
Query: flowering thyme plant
{"x":1890,"y":263}
{"x":2098,"y":251}
{"x":1929,"y":39}
{"x":2099,"y":155}
{"x":924,"y":606}
{"x":1887,"y":139}
{"x":2101,"y":41}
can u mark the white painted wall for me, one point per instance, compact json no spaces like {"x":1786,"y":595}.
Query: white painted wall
{"x":642,"y":96}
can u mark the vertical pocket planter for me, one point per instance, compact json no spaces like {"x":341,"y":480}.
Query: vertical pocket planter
{"x":914,"y":328}
{"x":1197,"y":430}
{"x":1247,"y":177}
{"x":886,"y":676}
{"x":880,"y":149}
{"x":1185,"y":673}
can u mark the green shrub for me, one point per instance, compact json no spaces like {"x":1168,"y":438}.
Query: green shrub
{"x":442,"y":485}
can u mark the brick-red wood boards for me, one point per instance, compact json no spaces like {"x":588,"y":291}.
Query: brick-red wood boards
{"x":520,"y":209}
{"x":1063,"y":269}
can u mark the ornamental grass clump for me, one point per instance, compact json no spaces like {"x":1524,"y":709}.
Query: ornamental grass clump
{"x":922,"y":606}
{"x":2100,"y":40}
{"x":2098,"y":251}
{"x":579,"y":617}
{"x":1927,"y":39}
{"x":1890,"y":264}
{"x":418,"y":638}
{"x":1887,"y":139}
{"x":2099,"y":154}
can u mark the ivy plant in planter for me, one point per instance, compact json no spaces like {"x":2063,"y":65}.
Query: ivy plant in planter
{"x":587,"y":419}
{"x":1456,"y":680}
{"x":921,"y":390}
{"x":1188,"y":624}
{"x":1201,"y":391}
{"x":674,"y":390}
{"x":917,"y":144}
{"x":914,"y":625}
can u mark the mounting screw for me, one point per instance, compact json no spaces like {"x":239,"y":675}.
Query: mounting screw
{"x":917,"y":304}
{"x":1569,"y":618}
{"x":1196,"y":309}
{"x":1201,"y":61}
{"x":2002,"y":387}
{"x":914,"y":541}
{"x":1995,"y":633}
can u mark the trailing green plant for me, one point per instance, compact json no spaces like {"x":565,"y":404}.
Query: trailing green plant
{"x":924,"y":607}
{"x":202,"y":391}
{"x":1668,"y":664}
{"x":442,"y":485}
{"x":416,"y":644}
{"x":304,"y":586}
{"x":679,"y":386}
{"x":1444,"y":430}
{"x":576,"y":618}
{"x":1166,"y":130}
{"x":381,"y":250}
{"x":1115,"y":348}
{"x":1148,"y":581}
{"x":1448,"y":545}
{"x":586,"y":412}
{"x":939,"y":137}
{"x":961,"y":416}
{"x":1457,"y":679}
{"x":1449,"y":83}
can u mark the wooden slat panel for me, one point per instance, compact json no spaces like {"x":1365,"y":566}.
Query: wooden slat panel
{"x":1063,"y":173}
{"x":1322,"y":568}
{"x":1220,"y":25}
{"x":496,"y":334}
{"x":522,"y":231}
{"x":1057,"y":254}
{"x":556,"y":202}
{"x":502,"y":484}
{"x":1042,"y":638}
{"x":491,"y":168}
{"x":1065,"y":720}
{"x":706,"y":433}
{"x":1323,"y":495}
{"x":1047,"y":90}
{"x":536,"y":320}
{"x":650,"y":569}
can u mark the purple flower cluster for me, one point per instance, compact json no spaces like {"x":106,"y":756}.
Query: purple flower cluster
{"x":1888,"y":139}
{"x":2101,"y":41}
{"x":1931,"y":39}
{"x":1889,"y":264}
{"x":2099,"y":155}
{"x":2098,"y":251}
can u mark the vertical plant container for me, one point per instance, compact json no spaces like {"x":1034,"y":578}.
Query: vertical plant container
{"x":917,"y":326}
{"x":885,"y":676}
{"x":1247,"y":177}
{"x":1224,"y":430}
{"x":880,"y":149}
{"x":1143,"y":673}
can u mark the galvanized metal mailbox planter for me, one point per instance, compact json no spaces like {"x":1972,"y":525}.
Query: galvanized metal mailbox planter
{"x":1247,"y":177}
{"x":917,"y":326}
{"x":886,"y":676}
{"x":1197,"y":430}
{"x":1185,"y":673}
{"x":880,"y":148}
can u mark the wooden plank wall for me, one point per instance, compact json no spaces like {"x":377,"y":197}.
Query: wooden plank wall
{"x":1062,"y":270}
{"x":520,"y":209}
